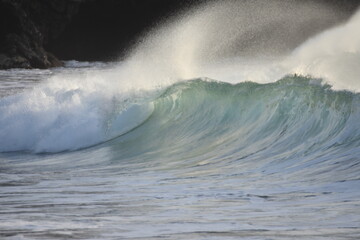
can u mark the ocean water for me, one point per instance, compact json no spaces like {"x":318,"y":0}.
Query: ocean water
{"x":202,"y":132}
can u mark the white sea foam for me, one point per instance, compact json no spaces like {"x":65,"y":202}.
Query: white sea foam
{"x":69,"y":112}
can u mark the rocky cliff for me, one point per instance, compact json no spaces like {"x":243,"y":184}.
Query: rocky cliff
{"x":26,"y":26}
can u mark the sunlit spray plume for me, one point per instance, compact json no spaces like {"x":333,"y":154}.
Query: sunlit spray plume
{"x":241,"y":33}
{"x":333,"y":55}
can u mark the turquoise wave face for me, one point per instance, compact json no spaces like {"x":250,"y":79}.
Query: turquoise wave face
{"x":288,"y":124}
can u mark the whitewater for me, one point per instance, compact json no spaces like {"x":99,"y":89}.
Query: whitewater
{"x":231,"y":120}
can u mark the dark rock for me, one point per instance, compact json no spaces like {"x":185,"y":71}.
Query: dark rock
{"x":13,"y":62}
{"x":26,"y":26}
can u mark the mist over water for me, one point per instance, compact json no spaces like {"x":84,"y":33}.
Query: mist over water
{"x":260,"y":41}
{"x":332,"y":55}
{"x":228,"y":121}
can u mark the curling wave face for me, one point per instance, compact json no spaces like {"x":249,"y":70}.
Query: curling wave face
{"x":293,"y":121}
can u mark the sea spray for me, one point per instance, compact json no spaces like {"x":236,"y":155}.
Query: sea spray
{"x":333,"y":55}
{"x":241,"y":32}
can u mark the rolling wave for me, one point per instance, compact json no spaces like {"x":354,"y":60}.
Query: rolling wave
{"x":292,"y":120}
{"x":295,"y":116}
